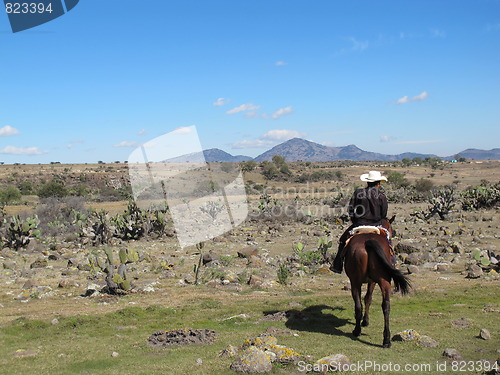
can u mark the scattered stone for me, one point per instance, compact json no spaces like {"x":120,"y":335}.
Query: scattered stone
{"x":273,"y":331}
{"x":255,"y":281}
{"x":461,"y":323}
{"x":229,"y":352}
{"x":324,"y":270}
{"x":474,"y":271}
{"x":452,"y":354}
{"x":457,"y":248}
{"x":29,"y":284}
{"x":252,"y":360}
{"x":20,"y":353}
{"x":413,"y":269}
{"x":68,"y":283}
{"x":248,"y":251}
{"x":206,"y":259}
{"x":125,"y":328}
{"x":402,"y":247}
{"x":407,"y":335}
{"x":54,"y":257}
{"x":442,"y":267}
{"x":115,"y":354}
{"x":9,"y":265}
{"x":427,"y":342}
{"x":199,"y":361}
{"x":414,"y":258}
{"x":39,"y":263}
{"x":274,"y":317}
{"x":55,"y":321}
{"x":485,"y":334}
{"x":337,"y":363}
{"x":186,"y":336}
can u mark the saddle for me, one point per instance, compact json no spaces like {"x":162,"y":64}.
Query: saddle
{"x":363,"y":229}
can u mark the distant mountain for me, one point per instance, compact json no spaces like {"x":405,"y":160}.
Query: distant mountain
{"x":301,"y":149}
{"x":473,"y":153}
{"x":212,"y":155}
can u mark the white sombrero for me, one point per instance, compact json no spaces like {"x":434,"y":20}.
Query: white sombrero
{"x":372,"y":176}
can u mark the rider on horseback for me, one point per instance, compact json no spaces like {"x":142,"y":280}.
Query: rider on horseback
{"x":368,"y":206}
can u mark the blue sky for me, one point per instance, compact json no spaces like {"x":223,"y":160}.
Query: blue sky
{"x":387,"y":76}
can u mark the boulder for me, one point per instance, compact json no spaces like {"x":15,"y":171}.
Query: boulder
{"x":248,"y":251}
{"x":452,"y":354}
{"x":474,"y":271}
{"x":39,"y":263}
{"x":485,"y":334}
{"x":407,"y":335}
{"x":252,"y":360}
{"x":336,"y":363}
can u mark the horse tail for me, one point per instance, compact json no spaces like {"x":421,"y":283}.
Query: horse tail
{"x":401,"y":281}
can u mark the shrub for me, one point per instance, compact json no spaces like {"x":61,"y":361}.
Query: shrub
{"x":52,"y":189}
{"x":9,"y":195}
{"x":397,"y":179}
{"x":283,"y":273}
{"x":424,"y":185}
{"x":483,"y":196}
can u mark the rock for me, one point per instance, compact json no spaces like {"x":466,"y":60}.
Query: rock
{"x":68,"y":283}
{"x":461,"y":323}
{"x":457,"y":248}
{"x":255,"y":281}
{"x":414,"y":258}
{"x":442,"y":267}
{"x":248,"y":251}
{"x":485,"y":334}
{"x":324,"y":270}
{"x":252,"y":360}
{"x":84,"y":267}
{"x":207,"y":258}
{"x":427,"y":342}
{"x":337,"y":362}
{"x":39,"y":263}
{"x":254,"y":260}
{"x":229,"y":352}
{"x":186,"y":336}
{"x":54,"y":257}
{"x":283,"y":354}
{"x":29,"y":284}
{"x":413,"y":269}
{"x":115,"y":354}
{"x":474,"y":271}
{"x":261,"y":342}
{"x":9,"y":265}
{"x":403,"y":247}
{"x":452,"y":354}
{"x":407,"y":335}
{"x":25,"y":353}
{"x":55,"y":321}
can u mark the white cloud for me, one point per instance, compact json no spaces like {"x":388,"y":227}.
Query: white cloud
{"x":243,"y":108}
{"x":257,"y":143}
{"x":13,"y":150}
{"x":282,"y":112}
{"x":282,"y":134}
{"x":141,"y":132}
{"x":437,"y":33}
{"x":74,"y":142}
{"x":7,"y":131}
{"x":417,"y":98}
{"x":280,"y":63}
{"x":403,"y":100}
{"x":183,"y":130}
{"x":221,"y":101}
{"x":420,"y":97}
{"x":126,"y":144}
{"x":252,"y":114}
{"x":385,"y":138}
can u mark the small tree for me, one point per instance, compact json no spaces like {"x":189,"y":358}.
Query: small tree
{"x":9,"y":195}
{"x":52,"y":189}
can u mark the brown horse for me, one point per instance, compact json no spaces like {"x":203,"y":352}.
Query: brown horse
{"x":368,"y":260}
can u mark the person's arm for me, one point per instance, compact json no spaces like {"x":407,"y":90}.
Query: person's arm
{"x":383,"y":206}
{"x":351,"y":206}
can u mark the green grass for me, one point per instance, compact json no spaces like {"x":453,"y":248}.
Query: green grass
{"x":83,"y":344}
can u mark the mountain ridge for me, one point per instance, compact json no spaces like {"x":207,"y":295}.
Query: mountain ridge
{"x":298,"y":149}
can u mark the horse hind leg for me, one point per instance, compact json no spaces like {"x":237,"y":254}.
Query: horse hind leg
{"x":368,"y":302}
{"x":385,"y":286}
{"x":358,"y":308}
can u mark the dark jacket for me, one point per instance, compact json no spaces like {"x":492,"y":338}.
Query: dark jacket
{"x":368,"y":206}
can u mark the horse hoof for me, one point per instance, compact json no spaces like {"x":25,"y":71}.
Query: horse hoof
{"x":387,"y":345}
{"x":356,"y":332}
{"x":365,"y":323}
